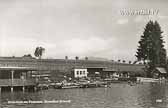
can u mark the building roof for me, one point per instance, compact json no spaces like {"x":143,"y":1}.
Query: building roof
{"x":161,"y":70}
{"x":100,"y":67}
{"x":63,"y":65}
{"x":89,"y":67}
{"x":16,"y":68}
{"x":110,"y":70}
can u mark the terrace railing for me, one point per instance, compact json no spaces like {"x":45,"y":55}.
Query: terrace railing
{"x":17,"y":82}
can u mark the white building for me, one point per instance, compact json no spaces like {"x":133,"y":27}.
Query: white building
{"x":79,"y":73}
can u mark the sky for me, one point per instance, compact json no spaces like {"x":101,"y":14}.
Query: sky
{"x":81,"y":28}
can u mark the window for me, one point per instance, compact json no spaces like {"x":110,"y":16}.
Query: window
{"x":77,"y":72}
{"x":83,"y":72}
{"x":80,"y":72}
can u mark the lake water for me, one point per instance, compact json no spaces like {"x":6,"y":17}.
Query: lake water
{"x":118,"y":96}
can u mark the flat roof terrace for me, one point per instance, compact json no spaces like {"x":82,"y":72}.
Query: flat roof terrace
{"x":17,"y":68}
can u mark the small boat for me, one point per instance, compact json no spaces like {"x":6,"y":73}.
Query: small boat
{"x":159,"y":100}
{"x":93,"y":84}
{"x":132,"y":83}
{"x":70,"y":85}
{"x":58,"y":86}
{"x":42,"y":86}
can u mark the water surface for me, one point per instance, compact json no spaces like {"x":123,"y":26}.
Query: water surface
{"x":118,"y":96}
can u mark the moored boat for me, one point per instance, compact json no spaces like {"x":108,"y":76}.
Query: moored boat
{"x":70,"y":85}
{"x":94,"y":84}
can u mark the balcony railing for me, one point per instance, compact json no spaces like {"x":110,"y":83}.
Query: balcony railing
{"x":17,"y":82}
{"x":5,"y":82}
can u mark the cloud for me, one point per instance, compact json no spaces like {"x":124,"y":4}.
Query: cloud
{"x":89,"y":46}
{"x":163,"y":17}
{"x":20,"y":46}
{"x":122,"y":21}
{"x":73,"y":28}
{"x":71,"y":47}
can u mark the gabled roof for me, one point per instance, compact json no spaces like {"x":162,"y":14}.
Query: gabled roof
{"x":161,"y":70}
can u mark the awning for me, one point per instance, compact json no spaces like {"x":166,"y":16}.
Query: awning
{"x":161,"y":70}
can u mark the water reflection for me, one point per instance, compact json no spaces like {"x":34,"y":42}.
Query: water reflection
{"x":118,"y":96}
{"x":158,"y":91}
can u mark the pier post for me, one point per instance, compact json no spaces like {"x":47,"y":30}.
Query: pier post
{"x":0,"y":89}
{"x":12,"y":89}
{"x":23,"y":88}
{"x":12,"y":75}
{"x":35,"y":88}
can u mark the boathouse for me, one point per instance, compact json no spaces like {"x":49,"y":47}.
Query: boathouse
{"x":16,"y":77}
{"x":159,"y":72}
{"x":56,"y":69}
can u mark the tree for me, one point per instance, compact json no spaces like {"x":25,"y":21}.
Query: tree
{"x":39,"y":52}
{"x":66,"y":57}
{"x":86,"y":58}
{"x":77,"y":58}
{"x":123,"y":61}
{"x":167,"y":64}
{"x":151,"y":48}
{"x":28,"y":55}
{"x":134,"y":62}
